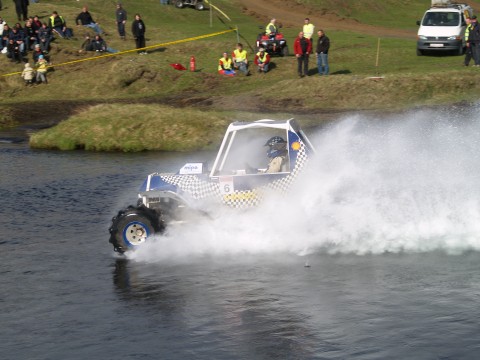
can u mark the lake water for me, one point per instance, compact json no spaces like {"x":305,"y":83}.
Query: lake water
{"x":387,"y":222}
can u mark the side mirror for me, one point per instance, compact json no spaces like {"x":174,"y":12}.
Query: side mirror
{"x":418,"y":22}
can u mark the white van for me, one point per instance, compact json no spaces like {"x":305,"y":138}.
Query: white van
{"x":443,"y":27}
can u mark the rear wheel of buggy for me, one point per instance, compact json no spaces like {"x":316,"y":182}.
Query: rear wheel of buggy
{"x":179,"y":4}
{"x":285,"y":51}
{"x":200,"y":6}
{"x":131,"y":227}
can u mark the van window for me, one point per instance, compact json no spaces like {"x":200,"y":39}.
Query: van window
{"x":441,"y":19}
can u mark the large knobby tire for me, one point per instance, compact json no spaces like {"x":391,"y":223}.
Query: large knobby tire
{"x":179,"y":4}
{"x":285,"y":51}
{"x":132,"y":227}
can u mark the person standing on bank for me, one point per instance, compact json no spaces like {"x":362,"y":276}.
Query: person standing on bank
{"x":323,"y":44}
{"x":138,"y":31}
{"x":468,"y":50}
{"x":121,"y":16}
{"x":21,"y":7}
{"x":302,"y":48}
{"x":474,"y":39}
{"x":308,"y":29}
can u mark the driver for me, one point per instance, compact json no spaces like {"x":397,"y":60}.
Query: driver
{"x":271,"y":29}
{"x":277,"y":154}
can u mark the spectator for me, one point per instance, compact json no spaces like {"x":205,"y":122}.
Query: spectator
{"x":27,"y":74}
{"x":271,"y":28}
{"x":36,"y":23}
{"x":59,"y":25}
{"x":2,"y":26}
{"x":323,"y":44}
{"x":41,"y":70}
{"x":474,"y":39}
{"x":21,"y":7}
{"x":86,"y":20}
{"x":468,"y":50}
{"x":225,"y":66}
{"x":30,"y":35}
{"x":302,"y":48}
{"x":18,"y":38}
{"x":262,"y":60}
{"x":13,"y":51}
{"x":44,"y":37}
{"x":37,"y":51}
{"x":308,"y":29}
{"x":240,"y":59}
{"x":121,"y":16}
{"x":99,"y":45}
{"x":5,"y":38}
{"x":138,"y":31}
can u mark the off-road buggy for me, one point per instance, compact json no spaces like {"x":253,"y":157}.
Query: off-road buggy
{"x":166,"y":197}
{"x":274,"y":44}
{"x":198,"y":4}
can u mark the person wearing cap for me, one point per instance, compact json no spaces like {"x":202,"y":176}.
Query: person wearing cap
{"x":121,"y":16}
{"x":308,"y":29}
{"x":262,"y":60}
{"x":302,"y":48}
{"x":240,"y":59}
{"x":323,"y":45}
{"x":41,"y":66}
{"x":225,"y":65}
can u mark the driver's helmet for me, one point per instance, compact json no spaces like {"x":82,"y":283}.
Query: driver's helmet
{"x":277,"y":146}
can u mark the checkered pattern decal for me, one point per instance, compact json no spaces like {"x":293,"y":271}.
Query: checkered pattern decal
{"x":198,"y":188}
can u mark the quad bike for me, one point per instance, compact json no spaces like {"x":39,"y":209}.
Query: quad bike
{"x":167,"y":197}
{"x":274,"y":44}
{"x":198,"y":4}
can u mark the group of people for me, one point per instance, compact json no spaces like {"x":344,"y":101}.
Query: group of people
{"x":303,"y":47}
{"x":36,"y":36}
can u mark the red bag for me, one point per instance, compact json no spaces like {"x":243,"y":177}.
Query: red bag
{"x":178,"y":66}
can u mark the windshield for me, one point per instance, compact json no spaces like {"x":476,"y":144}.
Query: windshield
{"x":441,"y":19}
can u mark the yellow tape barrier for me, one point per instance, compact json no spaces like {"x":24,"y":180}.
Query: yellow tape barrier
{"x":133,"y":50}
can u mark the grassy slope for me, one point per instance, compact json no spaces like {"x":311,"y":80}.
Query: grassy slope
{"x":409,"y":80}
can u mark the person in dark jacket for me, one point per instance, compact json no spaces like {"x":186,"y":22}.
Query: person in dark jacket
{"x":138,"y":31}
{"x":323,"y":45}
{"x":121,"y":16}
{"x":302,"y":48}
{"x":44,"y":37}
{"x":86,"y":20}
{"x":474,"y":39}
{"x":21,"y":7}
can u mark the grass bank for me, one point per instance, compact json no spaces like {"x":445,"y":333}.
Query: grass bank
{"x":148,"y":86}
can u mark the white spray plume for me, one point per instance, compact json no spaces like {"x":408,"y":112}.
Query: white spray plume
{"x":408,"y":183}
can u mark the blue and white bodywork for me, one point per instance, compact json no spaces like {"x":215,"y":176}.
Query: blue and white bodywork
{"x":237,"y":178}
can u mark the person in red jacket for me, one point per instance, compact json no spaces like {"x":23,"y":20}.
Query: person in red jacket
{"x":302,"y":48}
{"x":262,"y":60}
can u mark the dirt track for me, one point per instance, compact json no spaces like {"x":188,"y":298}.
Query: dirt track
{"x":292,"y":14}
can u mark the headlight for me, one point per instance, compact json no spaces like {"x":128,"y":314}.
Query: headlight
{"x":454,"y":37}
{"x":422,"y":37}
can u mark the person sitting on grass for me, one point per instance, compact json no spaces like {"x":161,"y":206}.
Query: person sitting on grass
{"x":99,"y":45}
{"x":44,"y":37}
{"x":240,"y":59}
{"x":225,"y":66}
{"x":86,"y":20}
{"x":59,"y":25}
{"x":37,"y":51}
{"x":13,"y":51}
{"x":262,"y":60}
